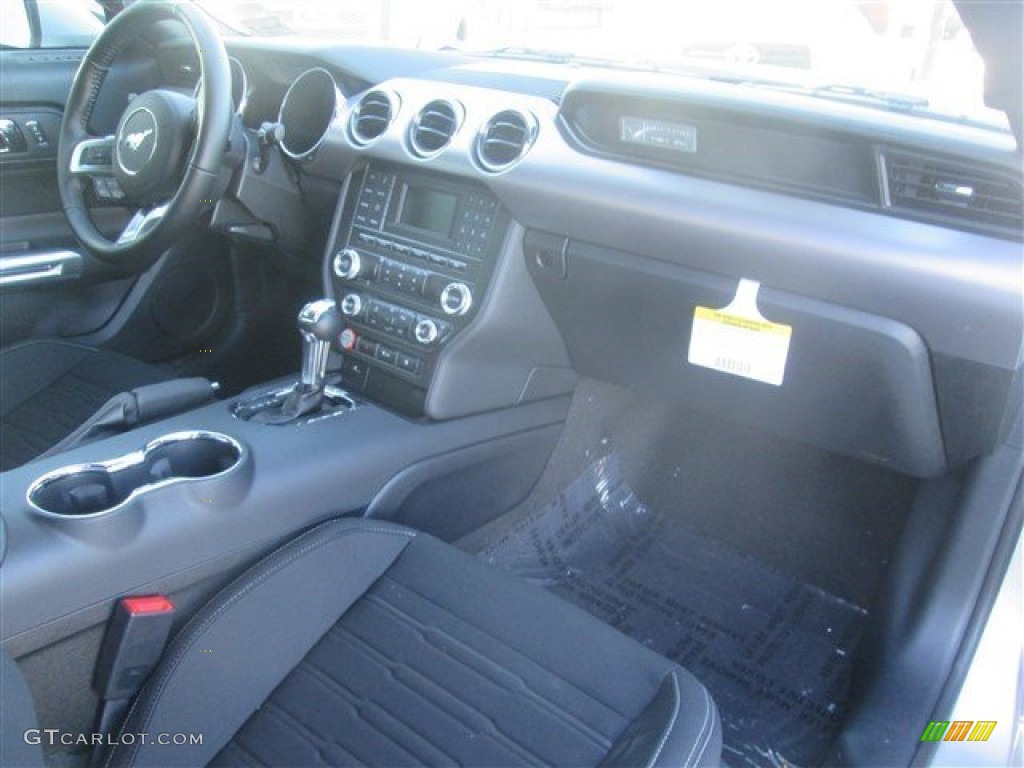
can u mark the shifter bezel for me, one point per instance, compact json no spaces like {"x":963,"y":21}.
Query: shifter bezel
{"x":336,"y":402}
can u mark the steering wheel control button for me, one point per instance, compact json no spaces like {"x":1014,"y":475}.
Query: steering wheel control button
{"x":348,"y":339}
{"x":98,"y":155}
{"x":107,"y":188}
{"x":456,"y":299}
{"x":352,"y":305}
{"x":426,"y":331}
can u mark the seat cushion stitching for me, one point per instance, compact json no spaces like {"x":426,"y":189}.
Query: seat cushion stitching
{"x":512,"y":649}
{"x":671,"y":723}
{"x":557,"y":714}
{"x":326,"y":679}
{"x":503,"y":737}
{"x":284,"y":715}
{"x":703,"y":735}
{"x":359,"y":643}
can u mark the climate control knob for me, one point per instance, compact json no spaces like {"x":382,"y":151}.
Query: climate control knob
{"x":351,"y":305}
{"x":426,"y":331}
{"x":456,"y":299}
{"x":347,"y":264}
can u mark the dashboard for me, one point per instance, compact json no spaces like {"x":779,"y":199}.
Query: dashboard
{"x":498,"y":228}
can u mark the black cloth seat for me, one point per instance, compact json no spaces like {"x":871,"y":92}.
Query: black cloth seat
{"x":362,"y":643}
{"x":48,"y":388}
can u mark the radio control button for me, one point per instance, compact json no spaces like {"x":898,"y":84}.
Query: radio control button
{"x":426,"y":331}
{"x":351,"y":305}
{"x":374,"y":315}
{"x":409,"y":363}
{"x":456,"y":299}
{"x":404,"y":322}
{"x":366,"y":347}
{"x":415,"y":281}
{"x":348,"y":264}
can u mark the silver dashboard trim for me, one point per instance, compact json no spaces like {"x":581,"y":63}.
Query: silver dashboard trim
{"x":77,"y":165}
{"x":40,"y":267}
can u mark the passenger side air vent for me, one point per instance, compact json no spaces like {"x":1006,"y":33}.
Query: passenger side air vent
{"x":505,"y":138}
{"x":954,"y":193}
{"x":372,"y":116}
{"x":434,"y":127}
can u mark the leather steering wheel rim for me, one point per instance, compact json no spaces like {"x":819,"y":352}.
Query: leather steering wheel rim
{"x":213,"y":115}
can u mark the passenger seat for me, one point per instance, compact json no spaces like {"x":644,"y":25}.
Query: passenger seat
{"x":361,"y":643}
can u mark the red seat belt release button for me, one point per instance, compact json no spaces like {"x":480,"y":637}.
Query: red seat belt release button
{"x":135,"y":640}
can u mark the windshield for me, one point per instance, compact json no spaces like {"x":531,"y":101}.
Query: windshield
{"x":911,"y":55}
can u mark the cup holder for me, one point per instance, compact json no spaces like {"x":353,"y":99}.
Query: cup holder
{"x":85,"y":490}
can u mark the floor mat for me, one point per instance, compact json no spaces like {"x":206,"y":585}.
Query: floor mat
{"x":773,"y":651}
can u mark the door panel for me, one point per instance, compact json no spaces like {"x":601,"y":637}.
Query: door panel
{"x":49,"y":286}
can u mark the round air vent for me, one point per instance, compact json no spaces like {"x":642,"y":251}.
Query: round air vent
{"x":505,"y":138}
{"x":434,"y":127}
{"x":372,"y":116}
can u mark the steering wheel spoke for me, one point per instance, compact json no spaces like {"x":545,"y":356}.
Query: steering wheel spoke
{"x":143,"y":222}
{"x":93,"y":157}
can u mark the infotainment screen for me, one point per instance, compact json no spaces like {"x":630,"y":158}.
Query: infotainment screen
{"x":428,"y":209}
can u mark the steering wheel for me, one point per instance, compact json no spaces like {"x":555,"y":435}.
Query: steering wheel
{"x":168,"y":149}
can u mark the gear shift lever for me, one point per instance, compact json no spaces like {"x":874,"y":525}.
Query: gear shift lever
{"x":319,"y":323}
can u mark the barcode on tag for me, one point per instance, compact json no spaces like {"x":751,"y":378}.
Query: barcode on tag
{"x":741,"y":346}
{"x":739,"y":367}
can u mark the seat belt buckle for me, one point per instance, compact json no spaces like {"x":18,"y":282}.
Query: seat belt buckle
{"x":133,"y":645}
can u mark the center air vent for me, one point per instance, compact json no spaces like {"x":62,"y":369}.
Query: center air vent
{"x":434,"y":127}
{"x":954,"y":193}
{"x":505,"y":138}
{"x":372,"y":116}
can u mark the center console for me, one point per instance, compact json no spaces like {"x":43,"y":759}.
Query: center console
{"x":409,"y":262}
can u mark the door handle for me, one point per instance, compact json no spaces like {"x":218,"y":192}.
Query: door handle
{"x":39,"y":267}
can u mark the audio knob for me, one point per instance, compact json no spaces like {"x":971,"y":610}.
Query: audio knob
{"x":351,"y":305}
{"x":348,"y":264}
{"x":456,"y":299}
{"x":426,"y":331}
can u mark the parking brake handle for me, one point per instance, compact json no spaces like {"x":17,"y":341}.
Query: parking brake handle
{"x":139,"y":406}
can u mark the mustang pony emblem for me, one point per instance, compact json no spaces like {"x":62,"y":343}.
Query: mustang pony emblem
{"x":134,"y":140}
